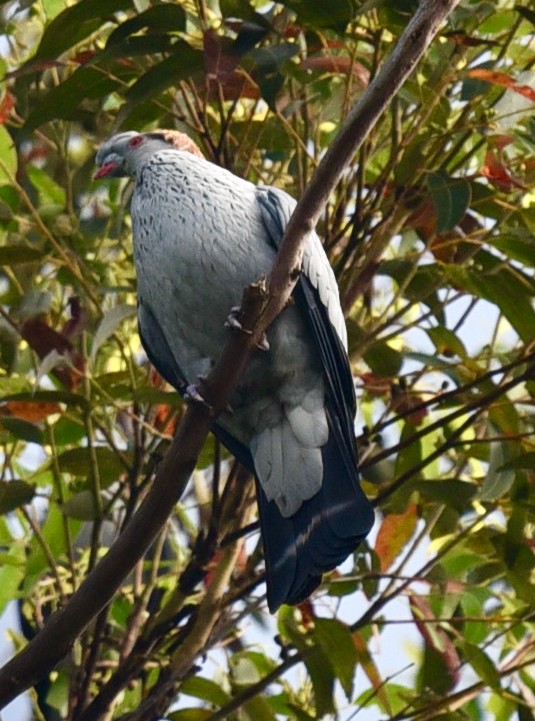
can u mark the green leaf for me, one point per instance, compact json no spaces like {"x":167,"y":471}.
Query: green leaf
{"x":517,"y":244}
{"x":8,"y":157}
{"x":474,"y":87}
{"x":451,"y":198}
{"x":423,"y":285}
{"x":53,"y":8}
{"x":14,"y":494}
{"x":259,"y":709}
{"x":142,"y":45}
{"x":397,"y":699}
{"x":265,"y":65}
{"x":525,"y":461}
{"x":481,"y":664}
{"x":109,"y":324}
{"x":10,"y":197}
{"x":89,"y":82}
{"x":503,"y":709}
{"x":498,"y":479}
{"x":241,"y":9}
{"x":76,"y":23}
{"x":383,"y":360}
{"x":205,"y":689}
{"x":446,"y":341}
{"x":77,"y":462}
{"x":70,"y":399}
{"x":497,"y":22}
{"x":337,"y":641}
{"x":153,"y":396}
{"x":318,"y":14}
{"x":409,"y":457}
{"x":502,"y":286}
{"x":15,"y":254}
{"x":190,"y":714}
{"x":454,"y":493}
{"x":68,"y":432}
{"x":23,"y":430}
{"x":49,"y":191}
{"x":53,"y":532}
{"x":244,"y":671}
{"x":162,"y":18}
{"x":322,"y":676}
{"x":318,"y":665}
{"x":57,"y":696}
{"x":268,"y":60}
{"x":81,"y":506}
{"x":12,"y":573}
{"x":184,"y":61}
{"x":472,"y":606}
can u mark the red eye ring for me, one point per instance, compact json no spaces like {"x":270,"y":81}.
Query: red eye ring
{"x":136,"y":141}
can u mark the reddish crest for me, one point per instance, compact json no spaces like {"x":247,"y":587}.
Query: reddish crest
{"x":136,"y":141}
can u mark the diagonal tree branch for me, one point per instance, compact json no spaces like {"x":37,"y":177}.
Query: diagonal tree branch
{"x":262,"y":303}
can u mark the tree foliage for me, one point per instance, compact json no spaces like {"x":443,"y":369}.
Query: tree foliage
{"x":430,"y":232}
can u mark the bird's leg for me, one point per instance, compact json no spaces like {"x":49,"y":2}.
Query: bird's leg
{"x":193,"y":394}
{"x":233,"y":322}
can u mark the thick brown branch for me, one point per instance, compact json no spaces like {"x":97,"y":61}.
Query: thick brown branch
{"x":48,"y":647}
{"x":364,"y":115}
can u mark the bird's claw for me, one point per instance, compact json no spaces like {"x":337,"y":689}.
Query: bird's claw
{"x":263,"y":343}
{"x":194,"y":395}
{"x":233,"y":322}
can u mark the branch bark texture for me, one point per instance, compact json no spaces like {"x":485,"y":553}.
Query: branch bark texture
{"x":262,"y":303}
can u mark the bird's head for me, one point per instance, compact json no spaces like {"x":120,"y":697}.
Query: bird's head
{"x":121,"y":154}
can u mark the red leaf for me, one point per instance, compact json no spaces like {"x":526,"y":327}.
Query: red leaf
{"x":403,"y":402}
{"x":372,"y":672}
{"x":33,"y":67}
{"x":241,"y":562}
{"x":503,"y":80}
{"x":43,"y":340}
{"x":165,"y":421}
{"x":84,"y":56}
{"x":221,"y":70}
{"x":424,"y":218}
{"x":337,"y":64}
{"x":31,"y":411}
{"x":435,"y":637}
{"x":376,"y":385}
{"x":468,"y":41}
{"x":307,"y":613}
{"x":396,"y":530}
{"x":6,"y":106}
{"x":220,"y":61}
{"x":498,"y":174}
{"x":501,"y":141}
{"x":78,"y":320}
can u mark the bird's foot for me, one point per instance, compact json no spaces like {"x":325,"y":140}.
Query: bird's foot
{"x":263,"y":343}
{"x":234,"y":323}
{"x":233,"y":320}
{"x":194,"y":395}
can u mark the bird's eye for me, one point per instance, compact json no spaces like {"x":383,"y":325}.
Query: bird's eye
{"x":136,"y":141}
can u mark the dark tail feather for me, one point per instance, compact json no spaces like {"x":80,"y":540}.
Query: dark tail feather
{"x":323,"y":532}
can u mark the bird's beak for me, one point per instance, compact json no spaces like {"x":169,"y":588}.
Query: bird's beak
{"x":105,"y":170}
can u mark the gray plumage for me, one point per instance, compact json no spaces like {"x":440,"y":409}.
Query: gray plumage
{"x":201,"y":234}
